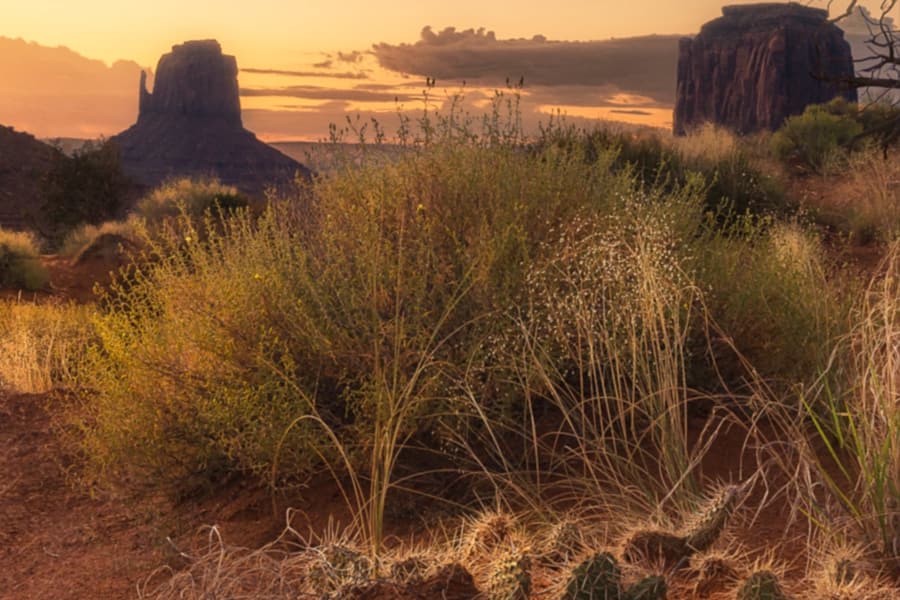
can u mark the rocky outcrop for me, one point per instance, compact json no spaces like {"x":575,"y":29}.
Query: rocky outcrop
{"x":190,"y":125}
{"x":758,"y":64}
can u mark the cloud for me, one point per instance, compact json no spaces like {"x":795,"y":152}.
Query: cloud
{"x":333,"y":75}
{"x":325,"y":64}
{"x":645,"y":66}
{"x":622,"y":111}
{"x":350,"y":57}
{"x":311,"y":92}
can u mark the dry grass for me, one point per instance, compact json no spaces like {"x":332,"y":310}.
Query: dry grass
{"x":706,"y":144}
{"x":77,"y":240}
{"x":20,"y":266}
{"x":40,"y":344}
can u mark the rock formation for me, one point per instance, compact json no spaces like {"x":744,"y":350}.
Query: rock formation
{"x":190,"y":125}
{"x":758,"y":64}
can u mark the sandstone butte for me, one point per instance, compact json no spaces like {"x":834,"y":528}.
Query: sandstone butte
{"x":190,"y":126}
{"x":758,"y":64}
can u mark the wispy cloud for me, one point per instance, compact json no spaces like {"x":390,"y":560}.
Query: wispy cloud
{"x":333,"y":75}
{"x":310,"y":92}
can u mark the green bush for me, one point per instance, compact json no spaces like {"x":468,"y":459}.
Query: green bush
{"x":735,"y":185}
{"x":20,"y":264}
{"x":771,"y":293}
{"x":817,"y":138}
{"x":88,"y":187}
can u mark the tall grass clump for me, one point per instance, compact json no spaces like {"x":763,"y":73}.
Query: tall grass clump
{"x":857,"y":447}
{"x":602,"y":339}
{"x":20,"y":264}
{"x":42,"y":344}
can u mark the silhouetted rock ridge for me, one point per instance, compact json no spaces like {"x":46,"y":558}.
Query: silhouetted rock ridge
{"x":190,"y":125}
{"x":758,"y":64}
{"x":24,"y":164}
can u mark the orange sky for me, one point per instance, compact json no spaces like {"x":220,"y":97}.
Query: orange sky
{"x":306,"y":36}
{"x":281,"y":32}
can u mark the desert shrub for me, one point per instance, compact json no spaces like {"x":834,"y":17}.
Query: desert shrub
{"x":736,"y":184}
{"x":80,"y":237}
{"x":878,"y":121}
{"x":349,"y":310}
{"x":20,"y":264}
{"x":192,"y":197}
{"x":775,"y":298}
{"x":817,"y":139}
{"x":41,"y":344}
{"x":87,"y":187}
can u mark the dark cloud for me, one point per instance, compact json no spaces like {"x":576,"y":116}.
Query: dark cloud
{"x":350,"y":57}
{"x":622,"y":111}
{"x":325,"y":64}
{"x":644,"y":66}
{"x":334,"y":75}
{"x":311,"y":92}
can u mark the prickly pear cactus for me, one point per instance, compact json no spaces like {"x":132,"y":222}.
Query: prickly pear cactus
{"x":712,"y":520}
{"x":597,"y":578}
{"x":649,"y":588}
{"x":761,"y":585}
{"x":511,"y":578}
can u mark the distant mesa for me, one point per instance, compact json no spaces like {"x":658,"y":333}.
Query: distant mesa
{"x":758,"y":64}
{"x":190,"y":125}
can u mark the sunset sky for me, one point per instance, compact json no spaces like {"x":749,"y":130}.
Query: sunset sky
{"x":344,"y":57}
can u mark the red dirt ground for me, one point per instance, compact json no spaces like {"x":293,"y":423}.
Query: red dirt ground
{"x":57,"y":542}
